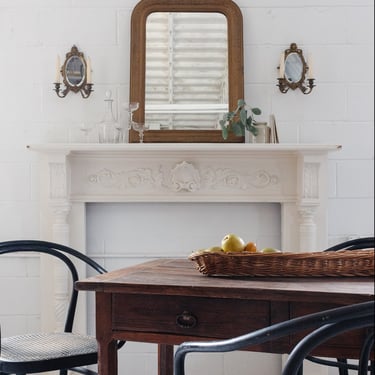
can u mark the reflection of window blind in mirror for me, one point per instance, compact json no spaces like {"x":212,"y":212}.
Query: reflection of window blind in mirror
{"x":186,"y":70}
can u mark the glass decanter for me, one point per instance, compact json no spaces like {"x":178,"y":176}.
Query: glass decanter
{"x":109,"y":128}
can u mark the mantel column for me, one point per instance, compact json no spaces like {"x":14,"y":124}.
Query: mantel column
{"x":59,"y":206}
{"x":59,"y":200}
{"x":312,"y":202}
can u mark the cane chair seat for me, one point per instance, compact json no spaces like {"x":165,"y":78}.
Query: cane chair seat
{"x":46,"y":346}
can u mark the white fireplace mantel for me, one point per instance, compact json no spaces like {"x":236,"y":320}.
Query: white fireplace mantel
{"x":295,"y":175}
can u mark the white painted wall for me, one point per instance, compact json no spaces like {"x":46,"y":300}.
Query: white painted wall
{"x":338,"y":33}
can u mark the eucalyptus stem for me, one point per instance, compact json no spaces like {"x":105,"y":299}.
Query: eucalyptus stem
{"x":238,"y":121}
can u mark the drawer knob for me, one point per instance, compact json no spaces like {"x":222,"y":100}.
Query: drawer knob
{"x":186,"y":320}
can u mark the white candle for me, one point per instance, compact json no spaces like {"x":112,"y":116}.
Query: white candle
{"x":88,"y":75}
{"x":310,"y":74}
{"x":57,"y":73}
{"x":282,"y":66}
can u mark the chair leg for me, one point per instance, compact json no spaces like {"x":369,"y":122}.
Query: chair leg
{"x":342,"y":370}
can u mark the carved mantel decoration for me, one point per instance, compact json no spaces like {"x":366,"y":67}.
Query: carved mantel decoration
{"x":182,"y":176}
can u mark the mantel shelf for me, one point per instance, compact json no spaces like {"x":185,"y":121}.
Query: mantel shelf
{"x":68,"y":148}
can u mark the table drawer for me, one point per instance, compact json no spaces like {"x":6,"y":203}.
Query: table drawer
{"x":206,"y":317}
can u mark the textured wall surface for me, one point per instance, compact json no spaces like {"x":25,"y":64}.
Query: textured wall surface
{"x":338,"y":34}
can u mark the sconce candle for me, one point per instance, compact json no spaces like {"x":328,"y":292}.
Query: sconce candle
{"x":282,"y":66}
{"x":88,"y":70}
{"x":58,"y":74}
{"x":310,"y":68}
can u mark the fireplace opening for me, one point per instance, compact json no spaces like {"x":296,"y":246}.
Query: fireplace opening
{"x":121,"y":234}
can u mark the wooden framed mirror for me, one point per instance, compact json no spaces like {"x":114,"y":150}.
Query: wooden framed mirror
{"x":235,"y":76}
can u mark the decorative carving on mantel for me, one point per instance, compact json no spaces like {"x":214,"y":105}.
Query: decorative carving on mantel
{"x":215,"y":177}
{"x":311,"y":181}
{"x":307,"y":227}
{"x":58,"y":188}
{"x":307,"y":215}
{"x":126,"y":179}
{"x":183,"y":176}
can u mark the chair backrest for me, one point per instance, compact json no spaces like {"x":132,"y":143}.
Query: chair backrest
{"x":355,"y":244}
{"x":361,"y":316}
{"x":324,"y":324}
{"x":66,"y":255}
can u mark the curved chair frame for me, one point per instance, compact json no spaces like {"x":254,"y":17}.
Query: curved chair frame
{"x":354,"y":244}
{"x":325,"y":325}
{"x":72,"y":362}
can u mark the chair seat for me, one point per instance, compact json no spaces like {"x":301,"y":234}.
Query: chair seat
{"x":46,"y":346}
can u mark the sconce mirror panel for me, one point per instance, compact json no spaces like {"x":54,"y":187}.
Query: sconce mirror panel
{"x":76,"y":74}
{"x":294,"y":68}
{"x":75,"y":71}
{"x":148,"y":15}
{"x":294,"y":72}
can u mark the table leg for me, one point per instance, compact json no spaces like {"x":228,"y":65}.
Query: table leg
{"x":107,"y":358}
{"x":107,"y":347}
{"x":165,"y":359}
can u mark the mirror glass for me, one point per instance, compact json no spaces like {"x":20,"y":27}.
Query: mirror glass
{"x":180,"y":92}
{"x":186,"y":73}
{"x":75,"y":71}
{"x":293,"y":67}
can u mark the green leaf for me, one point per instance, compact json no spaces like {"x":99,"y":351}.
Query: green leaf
{"x":243,"y":115}
{"x":249,"y":121}
{"x":224,"y":132}
{"x":241,"y":103}
{"x":253,"y":130}
{"x":226,"y":117}
{"x":238,"y":129}
{"x":256,"y":111}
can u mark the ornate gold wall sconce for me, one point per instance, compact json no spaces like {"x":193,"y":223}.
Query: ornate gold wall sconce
{"x":76,"y":74}
{"x":294,"y":72}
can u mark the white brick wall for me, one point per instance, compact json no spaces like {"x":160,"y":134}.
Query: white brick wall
{"x":19,"y":309}
{"x":338,"y":33}
{"x":340,"y":109}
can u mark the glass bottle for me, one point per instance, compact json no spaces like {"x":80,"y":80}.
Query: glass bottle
{"x":109,"y":128}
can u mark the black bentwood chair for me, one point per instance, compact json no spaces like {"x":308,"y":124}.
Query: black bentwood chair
{"x":42,"y":352}
{"x":323,"y":326}
{"x":355,"y":244}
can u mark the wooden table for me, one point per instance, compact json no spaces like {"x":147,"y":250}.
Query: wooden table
{"x":168,"y":301}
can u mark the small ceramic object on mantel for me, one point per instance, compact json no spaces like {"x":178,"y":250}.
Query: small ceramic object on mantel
{"x":263,"y":135}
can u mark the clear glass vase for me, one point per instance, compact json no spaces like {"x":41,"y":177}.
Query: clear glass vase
{"x":109,"y":128}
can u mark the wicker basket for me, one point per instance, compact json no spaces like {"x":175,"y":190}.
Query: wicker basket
{"x":315,"y":264}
